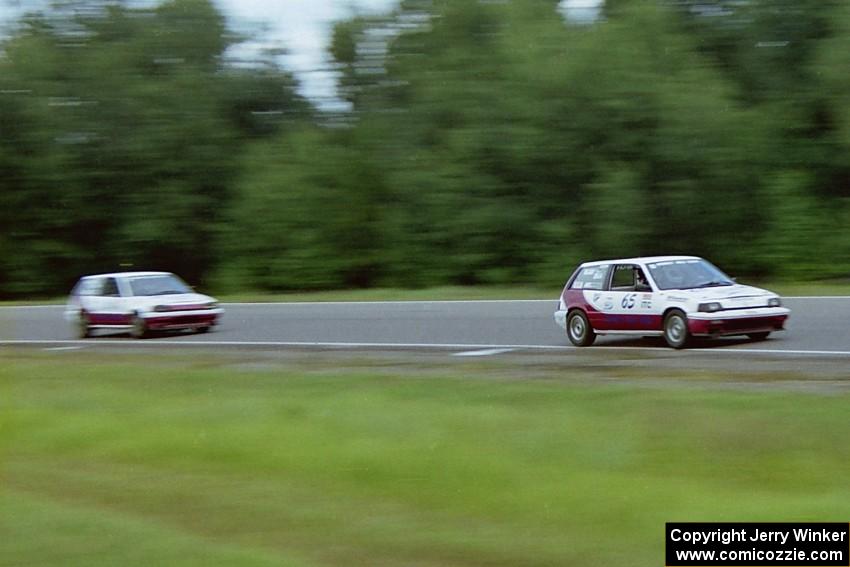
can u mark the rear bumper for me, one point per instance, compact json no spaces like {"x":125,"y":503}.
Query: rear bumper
{"x":561,"y":319}
{"x":722,"y":323}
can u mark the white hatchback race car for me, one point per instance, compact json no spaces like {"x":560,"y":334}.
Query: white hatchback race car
{"x":677,"y":297}
{"x":139,"y":302}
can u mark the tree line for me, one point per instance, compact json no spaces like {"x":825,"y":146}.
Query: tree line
{"x":479,"y":143}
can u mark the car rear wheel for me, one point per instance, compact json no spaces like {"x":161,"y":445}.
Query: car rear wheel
{"x":579,"y":330}
{"x":83,"y":326}
{"x":676,"y":329}
{"x":138,"y":327}
{"x":759,"y":336}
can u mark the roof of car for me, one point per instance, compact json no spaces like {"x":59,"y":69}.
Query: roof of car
{"x":640,"y":260}
{"x":127,"y":274}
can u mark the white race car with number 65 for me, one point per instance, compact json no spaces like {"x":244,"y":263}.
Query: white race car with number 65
{"x":676,"y":297}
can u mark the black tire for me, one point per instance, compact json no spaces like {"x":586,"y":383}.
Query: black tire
{"x":579,"y":330}
{"x":83,"y":326}
{"x":676,"y":332}
{"x":202,"y":330}
{"x":759,"y":336}
{"x":138,"y":327}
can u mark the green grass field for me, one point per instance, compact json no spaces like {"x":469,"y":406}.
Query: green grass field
{"x":131,"y":461}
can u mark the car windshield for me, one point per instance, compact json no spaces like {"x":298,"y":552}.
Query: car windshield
{"x":687,"y":274}
{"x":158,"y":285}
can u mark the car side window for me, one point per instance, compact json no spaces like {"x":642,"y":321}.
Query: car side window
{"x":88,"y":287}
{"x":628,"y":277}
{"x":591,"y":277}
{"x":623,"y":278}
{"x":641,"y":283}
{"x":110,"y":288}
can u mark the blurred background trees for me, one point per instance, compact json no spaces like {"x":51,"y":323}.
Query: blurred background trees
{"x":481,"y":143}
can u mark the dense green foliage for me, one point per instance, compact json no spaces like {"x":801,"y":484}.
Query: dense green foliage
{"x":121,"y":131}
{"x":484,"y":142}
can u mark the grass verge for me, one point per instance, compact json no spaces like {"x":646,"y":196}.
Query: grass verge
{"x":203,"y":461}
{"x":480,"y":292}
{"x":457,"y":293}
{"x":450,"y":293}
{"x":211,"y":462}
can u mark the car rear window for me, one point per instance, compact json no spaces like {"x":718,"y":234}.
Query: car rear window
{"x":591,"y":277}
{"x":88,"y":286}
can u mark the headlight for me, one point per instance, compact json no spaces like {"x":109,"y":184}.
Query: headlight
{"x":710,"y":307}
{"x":211,"y":305}
{"x":774,"y":302}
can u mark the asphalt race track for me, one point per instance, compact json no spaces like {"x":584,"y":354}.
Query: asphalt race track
{"x":819,"y":326}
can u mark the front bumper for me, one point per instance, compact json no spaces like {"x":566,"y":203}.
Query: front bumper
{"x":738,"y":322}
{"x":182,"y":319}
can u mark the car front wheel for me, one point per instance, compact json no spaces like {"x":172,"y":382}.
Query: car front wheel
{"x":579,"y":330}
{"x":676,"y":329}
{"x":759,"y":336}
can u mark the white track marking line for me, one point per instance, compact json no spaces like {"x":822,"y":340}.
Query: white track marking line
{"x":32,"y":307}
{"x":399,"y":302}
{"x":455,"y":301}
{"x":770,"y":351}
{"x":66,"y":348}
{"x":843,"y":297}
{"x":411,"y":302}
{"x":175,"y":343}
{"x":485,"y":352}
{"x":166,"y":342}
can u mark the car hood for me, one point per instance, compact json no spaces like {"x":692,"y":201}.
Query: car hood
{"x":737,"y":295}
{"x":183,"y":300}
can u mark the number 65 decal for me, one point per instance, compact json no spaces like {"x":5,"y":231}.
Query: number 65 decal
{"x":628,"y":301}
